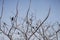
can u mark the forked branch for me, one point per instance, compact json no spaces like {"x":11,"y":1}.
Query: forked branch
{"x":40,"y":24}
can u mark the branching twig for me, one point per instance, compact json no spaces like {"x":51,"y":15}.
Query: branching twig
{"x":40,"y":24}
{"x":27,"y":22}
{"x":1,"y":13}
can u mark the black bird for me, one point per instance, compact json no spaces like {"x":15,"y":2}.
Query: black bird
{"x":12,"y":18}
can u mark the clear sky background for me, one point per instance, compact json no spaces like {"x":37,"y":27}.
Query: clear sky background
{"x":38,"y":7}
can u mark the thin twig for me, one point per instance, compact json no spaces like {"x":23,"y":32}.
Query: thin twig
{"x":40,"y":24}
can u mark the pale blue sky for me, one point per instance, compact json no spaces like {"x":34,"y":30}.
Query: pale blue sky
{"x":38,"y":7}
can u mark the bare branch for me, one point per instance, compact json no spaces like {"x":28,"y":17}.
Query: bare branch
{"x":40,"y":24}
{"x":27,"y":22}
{"x":1,"y":13}
{"x":2,"y":9}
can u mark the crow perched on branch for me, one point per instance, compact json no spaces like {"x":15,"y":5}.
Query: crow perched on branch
{"x":12,"y":18}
